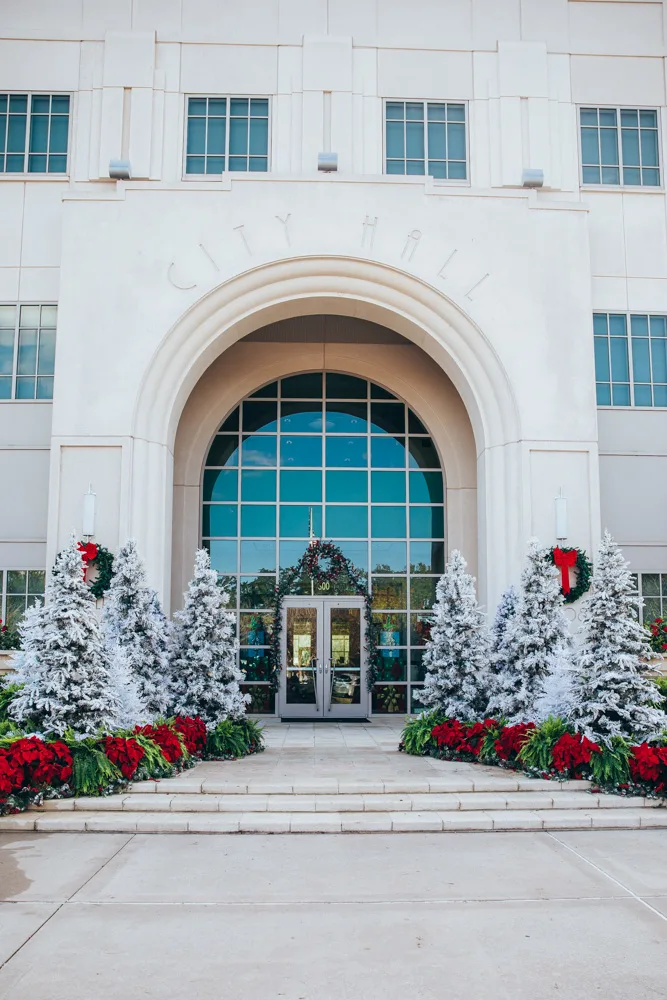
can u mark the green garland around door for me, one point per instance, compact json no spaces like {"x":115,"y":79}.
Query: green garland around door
{"x":337,"y":566}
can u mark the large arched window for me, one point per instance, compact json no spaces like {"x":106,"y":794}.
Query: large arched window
{"x":333,"y":456}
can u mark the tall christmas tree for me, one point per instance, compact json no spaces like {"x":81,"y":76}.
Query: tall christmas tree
{"x":613,"y":696}
{"x":131,"y":711}
{"x":505,"y":612}
{"x":536,"y":640}
{"x":457,"y":653}
{"x":205,"y":676}
{"x":133,"y":619}
{"x":64,"y":663}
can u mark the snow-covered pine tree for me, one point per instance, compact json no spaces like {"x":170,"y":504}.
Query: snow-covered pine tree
{"x":133,"y":619}
{"x":504,"y":614}
{"x":536,"y":639}
{"x":613,"y":696}
{"x":555,"y":693}
{"x":64,"y":663}
{"x":457,"y":653}
{"x":131,"y":711}
{"x":205,"y":676}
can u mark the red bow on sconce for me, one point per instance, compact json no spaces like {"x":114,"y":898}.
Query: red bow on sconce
{"x":88,"y":554}
{"x":565,"y":561}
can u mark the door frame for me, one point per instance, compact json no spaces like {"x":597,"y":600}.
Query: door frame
{"x":323,"y":709}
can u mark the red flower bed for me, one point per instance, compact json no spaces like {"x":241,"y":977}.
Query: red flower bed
{"x":193,"y":732}
{"x":570,"y":753}
{"x":648,"y":765}
{"x":30,"y":763}
{"x":125,"y":753}
{"x":166,"y":739}
{"x":461,"y":738}
{"x":511,"y":739}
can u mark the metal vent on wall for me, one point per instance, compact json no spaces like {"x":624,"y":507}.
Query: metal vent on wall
{"x":325,"y":330}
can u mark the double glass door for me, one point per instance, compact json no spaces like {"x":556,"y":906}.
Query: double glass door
{"x":323,"y":675}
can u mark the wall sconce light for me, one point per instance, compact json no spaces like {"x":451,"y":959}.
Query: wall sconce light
{"x":327,"y":162}
{"x":532,"y":178}
{"x":120,"y":170}
{"x":561,"y":516}
{"x":89,"y":502}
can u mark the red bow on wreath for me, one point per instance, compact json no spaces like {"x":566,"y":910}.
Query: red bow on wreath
{"x":565,"y":561}
{"x":88,"y":554}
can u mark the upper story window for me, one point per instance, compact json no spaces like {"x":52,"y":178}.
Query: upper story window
{"x":19,"y":589}
{"x":27,"y":351}
{"x":652,"y":589}
{"x":424,"y":137}
{"x":619,"y":146}
{"x":227,"y":133}
{"x":630,"y":371}
{"x":34,"y":129}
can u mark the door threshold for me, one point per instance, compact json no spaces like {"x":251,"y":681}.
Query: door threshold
{"x":333,"y":718}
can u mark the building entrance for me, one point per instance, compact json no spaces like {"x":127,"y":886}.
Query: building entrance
{"x":323,"y":659}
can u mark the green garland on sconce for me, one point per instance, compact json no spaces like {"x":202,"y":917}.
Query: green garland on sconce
{"x":565,"y":558}
{"x":310,"y":565}
{"x":101,"y":558}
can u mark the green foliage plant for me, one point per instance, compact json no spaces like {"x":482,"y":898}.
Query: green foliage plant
{"x":234,"y":738}
{"x":610,"y":767}
{"x":536,"y":751}
{"x":92,"y":772}
{"x":153,"y":764}
{"x":416,"y":737}
{"x":8,"y":692}
{"x":487,"y":751}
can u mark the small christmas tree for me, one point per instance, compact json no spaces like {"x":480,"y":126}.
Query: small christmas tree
{"x":457,"y":653}
{"x":613,"y":697}
{"x":555,"y":693}
{"x":64,"y":664}
{"x":205,"y":676}
{"x":536,"y":640}
{"x":134,"y":620}
{"x":504,"y":614}
{"x":131,"y":711}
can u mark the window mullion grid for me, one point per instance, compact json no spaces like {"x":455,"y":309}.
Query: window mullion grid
{"x":4,"y":165}
{"x":426,"y":150}
{"x":228,"y":128}
{"x":15,"y":362}
{"x":48,"y":165}
{"x":649,"y":347}
{"x":631,"y":367}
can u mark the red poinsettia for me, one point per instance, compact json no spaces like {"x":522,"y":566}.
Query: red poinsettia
{"x":32,"y":763}
{"x":460,"y":737}
{"x":193,"y":732}
{"x":648,"y":765}
{"x":511,"y":740}
{"x":166,"y":739}
{"x":125,"y":753}
{"x":570,"y":753}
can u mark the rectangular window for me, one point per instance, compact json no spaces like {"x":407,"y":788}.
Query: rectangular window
{"x":652,"y":589}
{"x":34,"y":130}
{"x":619,"y":146}
{"x":19,"y":589}
{"x":630,"y":359}
{"x":227,"y":133}
{"x":423,"y":137}
{"x":27,"y":351}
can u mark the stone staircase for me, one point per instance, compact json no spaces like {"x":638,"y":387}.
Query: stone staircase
{"x":484,"y":801}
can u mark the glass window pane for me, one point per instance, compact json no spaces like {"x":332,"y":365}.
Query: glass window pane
{"x":270,"y":391}
{"x":258,"y":556}
{"x":393,"y":665}
{"x":590,"y":175}
{"x":426,"y":487}
{"x":39,"y":131}
{"x":223,"y":555}
{"x":220,"y":484}
{"x":347,"y":452}
{"x":417,"y":667}
{"x":427,"y":557}
{"x":16,"y":134}
{"x":260,"y":416}
{"x":25,"y":388}
{"x":45,"y":388}
{"x":589,"y":116}
{"x":393,"y":627}
{"x":650,"y":178}
{"x":388,"y":487}
{"x":395,"y":109}
{"x":219,"y":520}
{"x":301,"y":451}
{"x":632,"y":175}
{"x":60,"y":104}
{"x":603,"y":394}
{"x":347,"y":487}
{"x":197,"y":106}
{"x":643,"y":396}
{"x":639,"y":326}
{"x":423,"y":454}
{"x":295,"y":521}
{"x":602,"y":371}
{"x":395,"y":167}
{"x":238,"y":163}
{"x":422,"y":592}
{"x":456,"y":142}
{"x":649,"y":149}
{"x":629,"y":118}
{"x":259,"y":450}
{"x":255,"y":630}
{"x":346,"y":386}
{"x":348,"y":521}
{"x":224,"y":450}
{"x":257,"y":591}
{"x":659,"y":395}
{"x":238,"y":136}
{"x":302,"y":486}
{"x":301,"y":417}
{"x":356,"y":552}
{"x":610,"y":175}
{"x":47,"y":352}
{"x":620,"y":395}
{"x":258,"y":520}
{"x":15,"y":610}
{"x":36,"y":581}
{"x":608,"y":116}
{"x":388,"y":452}
{"x":216,"y":137}
{"x":58,"y":134}
{"x":630,"y":144}
{"x":346,"y":418}
{"x":259,"y":137}
{"x":255,"y":663}
{"x":415,"y":426}
{"x":619,"y":359}
{"x":231,"y":423}
{"x":258,"y":485}
{"x":414,"y":140}
{"x":388,"y":522}
{"x":427,"y":522}
{"x":259,"y":106}
{"x":239,"y":106}
{"x":196,"y":135}
{"x":6,"y":351}
{"x":37,"y":164}
{"x":290,"y":552}
{"x":195,"y":165}
{"x":415,"y":167}
{"x":5,"y":388}
{"x":648,"y":119}
{"x":389,"y":557}
{"x":388,"y":418}
{"x":307,"y":386}
{"x":658,"y":326}
{"x":436,"y":112}
{"x":617,"y":325}
{"x":590,"y":149}
{"x":17,"y":581}
{"x":600,"y":326}
{"x":414,"y":111}
{"x":390,"y":592}
{"x":437,"y":168}
{"x":641,"y":364}
{"x":650,"y":584}
{"x":30,"y":316}
{"x":437,"y":147}
{"x":8,"y":316}
{"x":659,"y":359}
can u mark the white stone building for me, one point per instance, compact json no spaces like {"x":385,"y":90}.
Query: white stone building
{"x":476,"y":313}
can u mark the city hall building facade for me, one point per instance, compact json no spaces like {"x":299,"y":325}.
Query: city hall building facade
{"x":391,"y":275}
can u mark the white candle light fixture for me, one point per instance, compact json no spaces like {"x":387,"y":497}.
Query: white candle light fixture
{"x":561,"y":516}
{"x":89,"y":501}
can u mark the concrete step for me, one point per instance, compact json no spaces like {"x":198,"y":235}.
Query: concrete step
{"x":414,"y":821}
{"x":340,"y":803}
{"x":187,"y":785}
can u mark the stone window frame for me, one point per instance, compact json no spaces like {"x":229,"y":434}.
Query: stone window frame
{"x":631,"y":342}
{"x":227,"y":98}
{"x":12,"y":333}
{"x":29,"y":114}
{"x":32,"y":590}
{"x":621,"y":166}
{"x":426,"y":103}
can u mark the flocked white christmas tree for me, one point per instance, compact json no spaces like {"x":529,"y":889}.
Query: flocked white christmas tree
{"x":133,"y":619}
{"x":131,"y":711}
{"x":205,"y":676}
{"x":504,"y":614}
{"x":613,"y":696}
{"x":536,"y":642}
{"x":64,"y":663}
{"x":555,"y":693}
{"x":457,"y":654}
